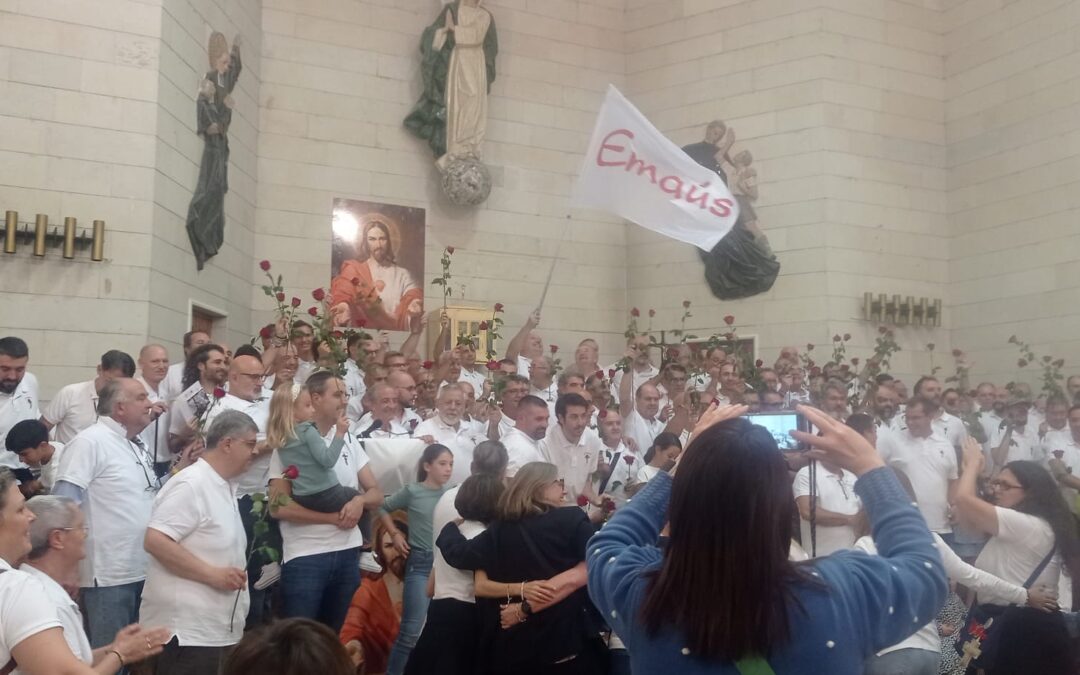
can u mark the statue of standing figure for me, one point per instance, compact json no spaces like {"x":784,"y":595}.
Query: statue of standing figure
{"x":213,"y":106}
{"x":458,"y":68}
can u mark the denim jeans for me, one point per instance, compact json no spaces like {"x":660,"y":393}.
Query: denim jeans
{"x":904,"y":662}
{"x":415,"y":600}
{"x":110,"y":608}
{"x":321,"y":586}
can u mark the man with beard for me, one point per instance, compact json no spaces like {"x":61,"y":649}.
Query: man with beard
{"x":641,"y":367}
{"x":989,"y":414}
{"x":18,"y":393}
{"x":886,"y":405}
{"x":946,"y":425}
{"x":449,"y":428}
{"x":204,"y":378}
{"x":374,"y":618}
{"x":75,"y":406}
{"x":523,"y":441}
{"x":373,"y":290}
{"x":172,"y":386}
{"x":1017,"y":439}
{"x":501,"y":419}
{"x":568,"y":446}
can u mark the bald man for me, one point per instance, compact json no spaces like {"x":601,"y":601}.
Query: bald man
{"x":153,"y":366}
{"x":526,"y":345}
{"x":404,"y":421}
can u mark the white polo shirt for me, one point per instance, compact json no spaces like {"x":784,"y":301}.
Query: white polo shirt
{"x":156,"y":443}
{"x":835,"y":493}
{"x":624,"y":473}
{"x":401,"y":427}
{"x":990,"y":422}
{"x":304,"y":369}
{"x":521,"y":449}
{"x":476,"y":378}
{"x":172,"y":385}
{"x":303,"y":539}
{"x":24,"y":610}
{"x":929,"y":463}
{"x":355,"y":388}
{"x":461,"y":441}
{"x":73,"y":409}
{"x":254,"y":480}
{"x":576,"y":462}
{"x":1024,"y":445}
{"x":67,"y":610}
{"x":643,"y":431}
{"x":120,"y":488}
{"x":21,"y":404}
{"x":639,"y":379}
{"x":451,"y":582}
{"x":548,"y":394}
{"x":951,"y":428}
{"x":197,"y":509}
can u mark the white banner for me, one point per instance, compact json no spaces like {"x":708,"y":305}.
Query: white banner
{"x":634,"y":171}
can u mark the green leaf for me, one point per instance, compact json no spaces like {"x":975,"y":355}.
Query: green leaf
{"x":256,"y":508}
{"x":272,"y":554}
{"x":260,"y":529}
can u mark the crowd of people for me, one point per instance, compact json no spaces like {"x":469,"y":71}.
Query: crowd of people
{"x":221,"y":512}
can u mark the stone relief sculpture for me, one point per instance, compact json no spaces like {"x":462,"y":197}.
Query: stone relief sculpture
{"x":458,"y":66}
{"x":742,"y":264}
{"x":213,"y":107}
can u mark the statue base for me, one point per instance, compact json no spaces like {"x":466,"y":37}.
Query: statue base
{"x":466,"y":181}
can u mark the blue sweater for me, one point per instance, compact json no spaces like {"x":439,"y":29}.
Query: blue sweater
{"x":866,"y":603}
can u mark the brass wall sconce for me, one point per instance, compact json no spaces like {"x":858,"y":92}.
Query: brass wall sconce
{"x":901,"y":310}
{"x":67,"y":240}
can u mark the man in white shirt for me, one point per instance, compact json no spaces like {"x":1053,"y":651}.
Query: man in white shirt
{"x":948,"y":426}
{"x":672,"y":384}
{"x":523,"y":441}
{"x":172,"y":386}
{"x":928,"y":460}
{"x":526,"y":345}
{"x":886,"y":405}
{"x":835,"y":403}
{"x":447,"y":428}
{"x":385,"y":419}
{"x":639,"y":412}
{"x":568,"y":447}
{"x":1017,"y":440}
{"x":568,"y":382}
{"x":354,"y":372}
{"x":471,"y":372}
{"x":541,"y":379}
{"x":204,"y":381}
{"x":321,"y":551}
{"x":503,"y":418}
{"x":153,"y":368}
{"x":109,"y":472}
{"x":1057,"y":420}
{"x":587,"y":357}
{"x":618,"y":463}
{"x":18,"y":393}
{"x":835,"y":509}
{"x":989,"y":412}
{"x":74,"y":407}
{"x":1064,"y":453}
{"x":196,"y":583}
{"x":715,"y":357}
{"x":640,"y":363}
{"x":29,"y":441}
{"x":303,"y":339}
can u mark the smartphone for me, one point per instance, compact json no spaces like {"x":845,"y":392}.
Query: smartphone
{"x":779,"y":424}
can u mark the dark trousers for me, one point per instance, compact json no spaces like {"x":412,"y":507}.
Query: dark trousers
{"x":448,"y":643}
{"x":321,"y":586}
{"x":259,"y":612}
{"x":177,"y":660}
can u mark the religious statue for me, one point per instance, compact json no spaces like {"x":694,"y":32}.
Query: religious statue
{"x":372,"y":290}
{"x":742,"y":264}
{"x":213,"y":106}
{"x":458,"y":66}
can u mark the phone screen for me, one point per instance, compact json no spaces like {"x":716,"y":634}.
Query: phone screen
{"x":779,"y":424}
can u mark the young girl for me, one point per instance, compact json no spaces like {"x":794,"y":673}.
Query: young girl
{"x":432,"y":474}
{"x":660,"y":456}
{"x":291,"y":432}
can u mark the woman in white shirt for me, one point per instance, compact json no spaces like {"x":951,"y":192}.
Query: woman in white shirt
{"x":1029,"y":522}
{"x":57,"y":544}
{"x":660,"y":456}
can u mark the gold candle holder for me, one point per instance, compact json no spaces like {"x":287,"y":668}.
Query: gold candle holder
{"x":11,"y":220}
{"x":97,"y":248}
{"x":69,"y":238}
{"x":41,"y":229}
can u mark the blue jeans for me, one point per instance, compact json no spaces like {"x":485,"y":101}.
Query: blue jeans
{"x":110,"y":608}
{"x":904,"y":662}
{"x":415,"y":600}
{"x":321,"y":586}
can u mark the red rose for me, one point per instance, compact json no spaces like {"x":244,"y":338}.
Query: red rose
{"x":809,"y":347}
{"x":847,"y":336}
{"x":599,"y":375}
{"x":319,"y":294}
{"x":652,"y":313}
{"x":498,"y":307}
{"x":280,"y":297}
{"x":483,"y":325}
{"x":634,"y":312}
{"x":611,"y":373}
{"x":360,"y":323}
{"x":686,"y":304}
{"x":264,"y":265}
{"x":673,"y":353}
{"x":815,"y":371}
{"x":554,"y":349}
{"x":957,"y":353}
{"x":629,"y":459}
{"x":759,"y":363}
{"x":855,"y":361}
{"x":313,"y":311}
{"x":729,"y":319}
{"x":582,"y":500}
{"x":492,"y":365}
{"x":291,"y":472}
{"x":836,"y":338}
{"x":266,"y":333}
{"x":844,"y":367}
{"x":337,"y":334}
{"x":427,"y":365}
{"x":602,"y":413}
{"x":450,"y":250}
{"x":296,"y":302}
{"x":930,"y":346}
{"x":608,"y":506}
{"x":219,"y":392}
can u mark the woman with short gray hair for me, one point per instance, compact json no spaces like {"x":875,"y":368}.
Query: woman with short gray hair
{"x":57,"y":544}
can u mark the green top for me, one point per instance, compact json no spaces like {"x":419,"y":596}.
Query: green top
{"x":309,"y":453}
{"x":420,"y":500}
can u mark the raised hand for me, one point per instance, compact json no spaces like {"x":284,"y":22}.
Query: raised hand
{"x":838,"y":443}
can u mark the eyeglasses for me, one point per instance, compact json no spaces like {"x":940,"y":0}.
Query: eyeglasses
{"x":255,"y":377}
{"x":84,"y":528}
{"x":561,"y":482}
{"x":1002,"y":485}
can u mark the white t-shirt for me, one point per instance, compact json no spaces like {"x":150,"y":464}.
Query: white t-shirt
{"x":950,"y":428}
{"x":990,"y":422}
{"x":304,"y":369}
{"x":624,"y":473}
{"x":402,"y":427}
{"x":254,"y":480}
{"x":548,"y":394}
{"x":156,"y":443}
{"x":48,"y":470}
{"x":73,"y":409}
{"x":926,"y":638}
{"x":643,"y":431}
{"x":1020,"y":545}
{"x":197,"y":509}
{"x":640,"y":378}
{"x":521,"y":449}
{"x":67,"y":610}
{"x":647,"y":472}
{"x":835,"y":493}
{"x":120,"y":488}
{"x":476,"y":379}
{"x":302,"y":539}
{"x":22,"y":404}
{"x":172,"y":385}
{"x":451,"y":582}
{"x":929,"y":463}
{"x":1070,"y":457}
{"x":576,"y":462}
{"x":23,"y":609}
{"x":1024,"y":445}
{"x":461,"y":441}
